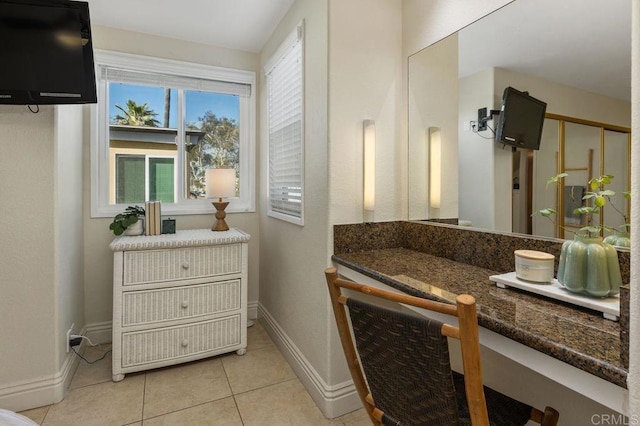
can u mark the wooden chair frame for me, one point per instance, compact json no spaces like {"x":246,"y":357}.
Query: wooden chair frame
{"x":466,"y":332}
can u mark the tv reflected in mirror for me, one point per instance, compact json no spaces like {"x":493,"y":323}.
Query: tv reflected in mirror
{"x":521,"y":119}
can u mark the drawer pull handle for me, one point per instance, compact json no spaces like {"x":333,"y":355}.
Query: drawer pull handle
{"x":185,"y":265}
{"x":184,"y":343}
{"x":185,"y":305}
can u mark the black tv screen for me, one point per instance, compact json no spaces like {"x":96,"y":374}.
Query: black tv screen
{"x":46,"y":54}
{"x":521,"y":119}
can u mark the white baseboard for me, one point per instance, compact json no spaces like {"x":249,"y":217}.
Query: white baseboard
{"x":28,"y":394}
{"x":332,"y":400}
{"x":252,"y":310}
{"x":33,"y":393}
{"x":99,"y":332}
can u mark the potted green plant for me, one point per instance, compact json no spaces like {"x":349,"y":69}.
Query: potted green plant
{"x":620,"y":235}
{"x":129,"y":222}
{"x":587,"y":263}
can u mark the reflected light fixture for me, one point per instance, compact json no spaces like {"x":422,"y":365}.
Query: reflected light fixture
{"x":435,"y":166}
{"x":220,"y":183}
{"x":369,"y":132}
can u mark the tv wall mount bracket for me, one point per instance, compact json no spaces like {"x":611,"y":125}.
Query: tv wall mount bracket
{"x":483,"y":117}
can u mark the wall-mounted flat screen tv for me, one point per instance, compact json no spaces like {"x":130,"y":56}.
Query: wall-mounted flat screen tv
{"x":521,"y":119}
{"x":46,"y":54}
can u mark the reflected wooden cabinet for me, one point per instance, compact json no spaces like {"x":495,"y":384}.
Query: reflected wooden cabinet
{"x":583,"y":149}
{"x":177,"y":298}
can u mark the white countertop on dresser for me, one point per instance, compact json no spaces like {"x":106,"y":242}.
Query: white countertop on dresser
{"x":183,"y":238}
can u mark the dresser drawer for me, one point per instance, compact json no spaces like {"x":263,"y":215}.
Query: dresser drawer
{"x":150,"y":306}
{"x":148,"y":266}
{"x":176,"y":342}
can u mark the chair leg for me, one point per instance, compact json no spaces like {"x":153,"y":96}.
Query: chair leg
{"x":377,"y":414}
{"x":550,"y":417}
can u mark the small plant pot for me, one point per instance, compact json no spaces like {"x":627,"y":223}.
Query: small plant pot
{"x":619,"y":239}
{"x":590,"y":266}
{"x":135,"y":229}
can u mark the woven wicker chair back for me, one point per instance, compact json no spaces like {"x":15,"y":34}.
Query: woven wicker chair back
{"x":405,"y":355}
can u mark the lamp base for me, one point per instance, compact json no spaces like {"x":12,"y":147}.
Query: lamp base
{"x":220,"y":224}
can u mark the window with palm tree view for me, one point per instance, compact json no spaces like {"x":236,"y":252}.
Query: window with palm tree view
{"x":160,"y":124}
{"x":142,"y":140}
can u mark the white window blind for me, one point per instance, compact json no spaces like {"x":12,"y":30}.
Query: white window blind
{"x":174,"y":81}
{"x":285,"y":71}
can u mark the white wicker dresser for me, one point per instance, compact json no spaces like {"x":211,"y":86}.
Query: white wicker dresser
{"x":178,"y":297}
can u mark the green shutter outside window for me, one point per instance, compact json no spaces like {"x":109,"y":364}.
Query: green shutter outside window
{"x":161,"y":179}
{"x":129,"y":179}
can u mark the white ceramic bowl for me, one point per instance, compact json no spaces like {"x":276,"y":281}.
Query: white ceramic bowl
{"x":535,"y":266}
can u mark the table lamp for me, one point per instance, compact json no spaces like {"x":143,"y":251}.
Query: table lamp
{"x":220,"y":183}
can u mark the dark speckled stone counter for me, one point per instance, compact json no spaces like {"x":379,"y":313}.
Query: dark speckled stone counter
{"x":577,"y":336}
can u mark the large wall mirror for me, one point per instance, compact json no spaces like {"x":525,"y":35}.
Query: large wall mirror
{"x":575,"y":55}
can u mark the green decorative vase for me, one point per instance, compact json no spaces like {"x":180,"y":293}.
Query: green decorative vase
{"x":589,"y":265}
{"x":619,"y":239}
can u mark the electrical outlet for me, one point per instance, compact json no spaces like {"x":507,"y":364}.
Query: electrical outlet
{"x":69,"y":332}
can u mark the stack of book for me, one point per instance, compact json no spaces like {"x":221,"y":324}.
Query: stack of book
{"x":152,"y":221}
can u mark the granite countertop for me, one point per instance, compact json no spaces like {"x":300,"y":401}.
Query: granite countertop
{"x":577,"y":336}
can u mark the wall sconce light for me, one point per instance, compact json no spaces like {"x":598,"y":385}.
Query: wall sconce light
{"x":435,"y":167}
{"x":220,"y":183}
{"x":369,"y":132}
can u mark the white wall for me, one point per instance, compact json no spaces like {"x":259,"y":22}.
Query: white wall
{"x":633,"y":380}
{"x":364,"y":66}
{"x":27,"y":304}
{"x":433,"y":102}
{"x":476,"y":155}
{"x":292,"y":258}
{"x":566,"y":100}
{"x":426,"y":22}
{"x":41,"y":261}
{"x":69,"y":254}
{"x":366,"y":80}
{"x":98,"y":262}
{"x":162,"y":47}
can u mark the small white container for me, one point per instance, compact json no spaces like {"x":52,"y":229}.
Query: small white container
{"x":534,"y":266}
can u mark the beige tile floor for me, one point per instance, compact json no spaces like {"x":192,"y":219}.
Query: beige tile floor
{"x":258,"y":388}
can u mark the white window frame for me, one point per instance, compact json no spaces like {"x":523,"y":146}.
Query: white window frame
{"x":100,"y":206}
{"x":293,"y":40}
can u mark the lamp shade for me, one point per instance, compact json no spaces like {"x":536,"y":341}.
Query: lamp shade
{"x":221,"y":183}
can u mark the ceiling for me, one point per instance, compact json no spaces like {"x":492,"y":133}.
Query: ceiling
{"x":557,"y":40}
{"x":579,"y":43}
{"x":235,"y":24}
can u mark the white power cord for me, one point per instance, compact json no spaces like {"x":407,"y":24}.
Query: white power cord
{"x":76,"y":336}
